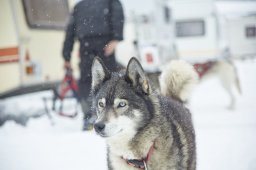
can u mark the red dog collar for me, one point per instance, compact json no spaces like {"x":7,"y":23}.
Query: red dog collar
{"x":141,"y":163}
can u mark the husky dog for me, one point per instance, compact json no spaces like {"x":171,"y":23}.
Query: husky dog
{"x":143,"y":129}
{"x":227,"y":74}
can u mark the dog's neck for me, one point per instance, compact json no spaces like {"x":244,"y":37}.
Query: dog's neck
{"x":120,"y":145}
{"x":132,"y":145}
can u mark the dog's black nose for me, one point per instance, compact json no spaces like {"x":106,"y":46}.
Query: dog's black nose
{"x":99,"y":127}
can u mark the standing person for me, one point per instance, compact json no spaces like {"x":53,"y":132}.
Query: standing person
{"x":98,"y":25}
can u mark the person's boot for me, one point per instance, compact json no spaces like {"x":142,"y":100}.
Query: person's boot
{"x":87,"y":122}
{"x":89,"y":118}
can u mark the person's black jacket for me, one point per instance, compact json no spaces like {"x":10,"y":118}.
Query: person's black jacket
{"x":94,"y":19}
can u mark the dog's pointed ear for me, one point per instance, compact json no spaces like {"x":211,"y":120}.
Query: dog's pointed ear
{"x":100,"y":73}
{"x":136,"y":75}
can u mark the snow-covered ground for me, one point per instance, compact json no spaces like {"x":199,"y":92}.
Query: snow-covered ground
{"x":225,"y":138}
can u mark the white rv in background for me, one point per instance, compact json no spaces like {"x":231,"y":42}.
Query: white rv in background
{"x":208,"y":29}
{"x":237,"y":21}
{"x":152,"y":30}
{"x":31,"y":38}
{"x":195,"y":29}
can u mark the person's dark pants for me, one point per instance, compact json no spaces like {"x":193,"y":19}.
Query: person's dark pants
{"x":89,"y":49}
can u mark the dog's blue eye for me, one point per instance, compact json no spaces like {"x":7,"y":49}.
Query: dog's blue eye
{"x":121,"y":104}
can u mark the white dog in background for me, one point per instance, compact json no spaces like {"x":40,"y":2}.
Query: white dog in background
{"x":226,"y":72}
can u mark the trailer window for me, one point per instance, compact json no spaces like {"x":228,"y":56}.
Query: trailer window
{"x":46,"y":14}
{"x":250,"y":31}
{"x":190,"y":28}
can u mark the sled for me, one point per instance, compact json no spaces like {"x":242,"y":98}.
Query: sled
{"x":67,"y":89}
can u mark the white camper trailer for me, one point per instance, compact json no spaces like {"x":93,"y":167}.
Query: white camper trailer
{"x":152,"y":30}
{"x":31,"y":38}
{"x":237,"y":21}
{"x":195,"y":29}
{"x":206,"y":29}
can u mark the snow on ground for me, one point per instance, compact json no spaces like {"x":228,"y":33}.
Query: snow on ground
{"x":225,"y":138}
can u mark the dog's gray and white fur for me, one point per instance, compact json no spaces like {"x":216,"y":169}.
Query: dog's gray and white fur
{"x":133,"y":117}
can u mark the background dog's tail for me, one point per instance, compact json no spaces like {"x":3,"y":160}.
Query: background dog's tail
{"x":178,"y":79}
